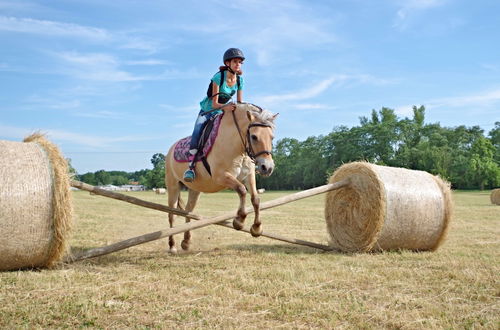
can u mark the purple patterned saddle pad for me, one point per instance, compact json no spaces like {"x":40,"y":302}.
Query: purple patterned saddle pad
{"x":181,"y":150}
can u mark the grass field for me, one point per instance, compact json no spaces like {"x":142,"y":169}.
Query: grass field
{"x":231,"y":280}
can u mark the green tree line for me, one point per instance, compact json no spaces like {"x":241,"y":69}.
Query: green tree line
{"x":149,"y":178}
{"x":462,"y":155}
{"x":465,"y":156}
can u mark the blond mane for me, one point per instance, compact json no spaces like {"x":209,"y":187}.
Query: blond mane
{"x":262,"y":115}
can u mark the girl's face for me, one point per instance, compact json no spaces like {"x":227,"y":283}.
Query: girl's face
{"x":235,"y":64}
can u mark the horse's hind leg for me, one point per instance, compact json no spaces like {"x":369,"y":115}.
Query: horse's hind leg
{"x":192,"y":200}
{"x":173,"y":190}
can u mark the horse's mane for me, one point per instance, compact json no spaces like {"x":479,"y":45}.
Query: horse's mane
{"x":262,"y":115}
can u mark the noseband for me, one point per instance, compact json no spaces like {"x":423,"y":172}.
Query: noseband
{"x":248,"y":144}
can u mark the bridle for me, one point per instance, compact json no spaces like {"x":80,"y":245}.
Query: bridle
{"x":248,"y":143}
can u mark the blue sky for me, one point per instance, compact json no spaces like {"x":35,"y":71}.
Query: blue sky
{"x":113,"y":82}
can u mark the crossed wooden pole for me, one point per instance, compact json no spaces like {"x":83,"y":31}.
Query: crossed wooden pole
{"x":221,"y":220}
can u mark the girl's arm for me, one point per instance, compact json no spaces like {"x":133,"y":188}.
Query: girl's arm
{"x":215,"y":99}
{"x":239,"y":96}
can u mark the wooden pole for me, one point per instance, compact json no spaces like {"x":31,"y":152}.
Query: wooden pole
{"x":91,"y":253}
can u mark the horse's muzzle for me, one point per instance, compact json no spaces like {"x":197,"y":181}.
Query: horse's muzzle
{"x":264,"y":166}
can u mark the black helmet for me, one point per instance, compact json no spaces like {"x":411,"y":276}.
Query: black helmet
{"x":233,"y":53}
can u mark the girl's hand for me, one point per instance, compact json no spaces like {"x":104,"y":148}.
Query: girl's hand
{"x":229,"y":107}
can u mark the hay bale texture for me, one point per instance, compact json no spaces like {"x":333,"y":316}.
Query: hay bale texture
{"x":387,"y":208}
{"x":495,"y":196}
{"x":35,"y":205}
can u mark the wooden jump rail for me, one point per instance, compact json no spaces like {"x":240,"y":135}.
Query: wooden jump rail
{"x":201,"y":222}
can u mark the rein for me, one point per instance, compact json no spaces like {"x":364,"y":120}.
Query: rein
{"x":248,"y":144}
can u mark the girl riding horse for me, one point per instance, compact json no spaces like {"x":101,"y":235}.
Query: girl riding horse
{"x":242,"y":147}
{"x":224,"y":84}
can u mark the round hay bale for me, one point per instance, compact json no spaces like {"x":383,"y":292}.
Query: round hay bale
{"x":35,"y":205}
{"x":387,"y":208}
{"x":495,"y":196}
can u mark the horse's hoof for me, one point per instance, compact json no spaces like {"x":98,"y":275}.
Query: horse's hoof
{"x":185,"y":245}
{"x":237,"y":224}
{"x":172,"y":250}
{"x":256,"y":230}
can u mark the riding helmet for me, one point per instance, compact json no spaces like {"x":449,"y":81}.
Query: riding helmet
{"x":233,"y":53}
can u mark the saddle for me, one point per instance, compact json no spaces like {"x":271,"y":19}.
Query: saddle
{"x":207,"y":140}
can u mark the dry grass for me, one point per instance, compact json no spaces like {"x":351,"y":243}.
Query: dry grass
{"x":231,"y":280}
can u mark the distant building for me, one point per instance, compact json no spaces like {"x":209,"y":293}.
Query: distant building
{"x":109,"y":187}
{"x":133,"y":187}
{"x":125,"y":187}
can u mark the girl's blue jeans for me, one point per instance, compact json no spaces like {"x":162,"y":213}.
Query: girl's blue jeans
{"x":200,"y":123}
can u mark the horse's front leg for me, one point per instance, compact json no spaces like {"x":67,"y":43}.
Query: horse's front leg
{"x":231,"y":182}
{"x":256,"y":229}
{"x":173,"y":199}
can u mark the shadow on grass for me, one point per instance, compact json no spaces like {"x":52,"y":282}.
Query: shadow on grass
{"x":133,"y":256}
{"x":278,"y":249}
{"x":161,"y":258}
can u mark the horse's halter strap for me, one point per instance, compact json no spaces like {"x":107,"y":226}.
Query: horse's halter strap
{"x":248,"y":144}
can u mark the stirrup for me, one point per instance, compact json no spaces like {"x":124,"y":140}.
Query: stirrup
{"x":189,"y":175}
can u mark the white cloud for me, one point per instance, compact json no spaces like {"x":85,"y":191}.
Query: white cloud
{"x":275,"y":40}
{"x":318,"y":88}
{"x":95,"y":66}
{"x":14,"y":133}
{"x":55,"y":103}
{"x":409,"y":8}
{"x":312,"y":106}
{"x":184,"y":109}
{"x":108,"y":68}
{"x":480,"y":99}
{"x":61,"y":136}
{"x":100,"y":115}
{"x":148,"y":62}
{"x":44,"y":27}
{"x":275,"y":31}
{"x":128,"y":42}
{"x":18,"y":6}
{"x":92,"y":59}
{"x":123,"y":39}
{"x":491,"y":67}
{"x":299,"y":95}
{"x":178,"y":74}
{"x":93,"y":141}
{"x":405,"y":110}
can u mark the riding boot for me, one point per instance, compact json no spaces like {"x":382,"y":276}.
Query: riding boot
{"x":189,"y":175}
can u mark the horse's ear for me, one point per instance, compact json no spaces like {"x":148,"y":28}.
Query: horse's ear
{"x":250,"y":116}
{"x":274,"y":117}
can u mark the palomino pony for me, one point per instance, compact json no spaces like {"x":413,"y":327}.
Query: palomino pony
{"x":243,"y":145}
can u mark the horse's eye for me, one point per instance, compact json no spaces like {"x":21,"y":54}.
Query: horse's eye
{"x":254,"y":137}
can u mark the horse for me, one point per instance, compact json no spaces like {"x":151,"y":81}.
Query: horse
{"x":242,"y":147}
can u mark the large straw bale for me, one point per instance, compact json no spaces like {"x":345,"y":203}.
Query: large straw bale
{"x":495,"y":196}
{"x":35,"y":205}
{"x":387,"y":208}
